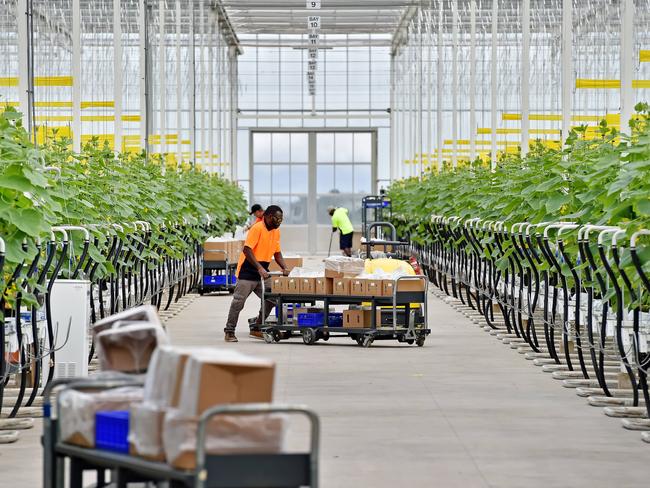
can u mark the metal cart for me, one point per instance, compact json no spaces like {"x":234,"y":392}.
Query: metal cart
{"x":217,"y":276}
{"x":374,"y":208}
{"x":394,"y":244}
{"x":282,"y":470}
{"x":413,"y":330}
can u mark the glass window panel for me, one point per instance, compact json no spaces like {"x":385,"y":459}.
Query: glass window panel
{"x":298,"y":213}
{"x":299,"y":148}
{"x":324,"y":178}
{"x":281,"y":148}
{"x":280,"y":178}
{"x":343,"y":178}
{"x":261,"y":179}
{"x":325,"y":148}
{"x":299,"y":178}
{"x":362,"y":148}
{"x":351,"y":202}
{"x":261,"y":148}
{"x":343,"y":148}
{"x":363,"y":179}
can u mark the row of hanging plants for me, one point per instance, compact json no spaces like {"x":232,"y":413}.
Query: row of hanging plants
{"x":50,"y":185}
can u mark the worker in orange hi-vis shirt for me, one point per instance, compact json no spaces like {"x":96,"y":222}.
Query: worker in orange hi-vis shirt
{"x":262,"y":244}
{"x":258,"y":212}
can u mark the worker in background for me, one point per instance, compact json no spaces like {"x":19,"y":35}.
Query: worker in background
{"x":262,"y":244}
{"x":341,"y":222}
{"x":257,"y":212}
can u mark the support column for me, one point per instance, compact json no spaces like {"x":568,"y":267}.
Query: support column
{"x":202,"y":77}
{"x":162,"y":73}
{"x":23,"y":62}
{"x":454,"y":82}
{"x":627,"y":56}
{"x":420,"y":82}
{"x":212,"y":21}
{"x":472,"y":82}
{"x":142,"y":38}
{"x":429,"y":86}
{"x":393,"y":131}
{"x":117,"y":74}
{"x":567,"y":67}
{"x":494,"y":85}
{"x":76,"y":76}
{"x":440,"y":88}
{"x":232,"y":62}
{"x":179,"y":91}
{"x":192,"y":48}
{"x":525,"y":76}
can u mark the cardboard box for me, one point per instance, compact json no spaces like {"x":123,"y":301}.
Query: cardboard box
{"x":225,"y":434}
{"x":324,"y":286}
{"x":235,"y":248}
{"x":292,"y":286}
{"x":387,"y":288}
{"x":341,"y":286}
{"x":337,"y":274}
{"x":217,"y":376}
{"x":410,"y":285}
{"x":358,"y":287}
{"x":279,"y":284}
{"x":374,"y":288}
{"x":307,"y":286}
{"x":292,"y":262}
{"x":222,"y":246}
{"x":128,"y":348}
{"x":357,"y":319}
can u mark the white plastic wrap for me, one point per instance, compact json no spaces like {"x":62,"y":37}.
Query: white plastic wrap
{"x":145,"y":430}
{"x":344,"y":264}
{"x":128,"y":348}
{"x":78,"y":409}
{"x":299,"y":272}
{"x":226,"y":434}
{"x":146,"y":314}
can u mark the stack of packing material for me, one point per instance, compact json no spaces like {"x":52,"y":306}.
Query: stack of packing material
{"x":161,"y":392}
{"x":217,"y":377}
{"x":78,"y":409}
{"x":222,"y":249}
{"x":343,"y":267}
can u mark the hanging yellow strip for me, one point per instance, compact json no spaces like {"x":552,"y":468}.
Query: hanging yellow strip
{"x":130,"y":118}
{"x":644,"y":56}
{"x":9,"y":104}
{"x":54,"y":118}
{"x":53,"y":104}
{"x":8,"y":81}
{"x":97,"y":104}
{"x":640,"y":84}
{"x":597,"y":84}
{"x":53,"y":81}
{"x":97,"y":118}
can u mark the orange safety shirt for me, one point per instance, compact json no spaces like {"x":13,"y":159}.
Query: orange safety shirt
{"x":264,"y":243}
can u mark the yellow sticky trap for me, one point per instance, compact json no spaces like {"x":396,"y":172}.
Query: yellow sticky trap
{"x":644,"y":56}
{"x":53,"y":81}
{"x":8,"y":81}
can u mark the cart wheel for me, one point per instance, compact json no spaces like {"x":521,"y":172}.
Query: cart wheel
{"x":367,"y":341}
{"x":326,"y":335}
{"x":420,"y":341}
{"x":276,"y":336}
{"x":309,"y":336}
{"x":201,"y":292}
{"x":410,"y":342}
{"x":359,"y":340}
{"x":268,"y":337}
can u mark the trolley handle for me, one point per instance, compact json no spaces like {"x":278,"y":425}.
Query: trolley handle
{"x":257,"y":408}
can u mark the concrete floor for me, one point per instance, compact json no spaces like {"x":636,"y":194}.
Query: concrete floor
{"x":463,"y":411}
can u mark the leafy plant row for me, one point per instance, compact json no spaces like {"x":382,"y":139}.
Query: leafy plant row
{"x":107,"y":193}
{"x":605,"y":180}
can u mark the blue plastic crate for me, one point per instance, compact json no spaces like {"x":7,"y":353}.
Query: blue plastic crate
{"x":218,"y":280}
{"x":112,"y":431}
{"x":317,"y":319}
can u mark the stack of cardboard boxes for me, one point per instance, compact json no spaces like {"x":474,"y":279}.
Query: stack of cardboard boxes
{"x":222,"y":249}
{"x":180,"y":385}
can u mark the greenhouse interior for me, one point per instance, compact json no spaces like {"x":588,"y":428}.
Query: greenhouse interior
{"x":203,"y":201}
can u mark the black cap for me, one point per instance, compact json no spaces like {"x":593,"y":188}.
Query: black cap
{"x":255,"y":208}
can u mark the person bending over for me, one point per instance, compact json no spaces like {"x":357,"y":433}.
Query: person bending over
{"x":341,"y":222}
{"x":262,"y":244}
